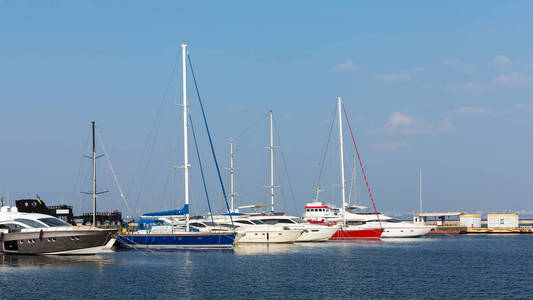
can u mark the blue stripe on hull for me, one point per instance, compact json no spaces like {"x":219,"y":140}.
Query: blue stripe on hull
{"x":178,"y":240}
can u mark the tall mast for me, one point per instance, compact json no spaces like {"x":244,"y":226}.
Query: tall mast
{"x":343,"y":187}
{"x":185,"y":139}
{"x":420,"y":188}
{"x":94,"y":175}
{"x":231,"y":174}
{"x":271,"y":164}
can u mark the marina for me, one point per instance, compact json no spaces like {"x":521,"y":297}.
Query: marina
{"x":412,"y":268}
{"x":266,"y":150}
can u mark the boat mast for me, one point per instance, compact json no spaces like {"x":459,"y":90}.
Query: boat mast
{"x":420,"y":188}
{"x":271,"y":164}
{"x":185,"y":139}
{"x":343,"y":187}
{"x":94,"y":175}
{"x":231,"y":174}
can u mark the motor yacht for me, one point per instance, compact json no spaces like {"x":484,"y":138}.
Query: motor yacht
{"x":311,"y":232}
{"x":321,"y":213}
{"x":252,"y":230}
{"x":34,"y":233}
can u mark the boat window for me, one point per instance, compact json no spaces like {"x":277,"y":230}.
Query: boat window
{"x":355,"y":222}
{"x":285,"y":221}
{"x":198,"y":225}
{"x":392,"y":221}
{"x":258,"y":222}
{"x":244,"y":222}
{"x":298,"y":220}
{"x":11,"y":227}
{"x":54,"y":222}
{"x":30,"y":223}
{"x":271,"y":221}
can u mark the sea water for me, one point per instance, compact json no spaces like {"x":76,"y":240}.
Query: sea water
{"x":473,"y":266}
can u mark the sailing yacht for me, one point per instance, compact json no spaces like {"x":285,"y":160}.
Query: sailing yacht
{"x":157,"y":230}
{"x":319,"y":213}
{"x":271,"y":227}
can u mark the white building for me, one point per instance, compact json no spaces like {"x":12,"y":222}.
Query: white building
{"x":502,"y":221}
{"x":470,"y":221}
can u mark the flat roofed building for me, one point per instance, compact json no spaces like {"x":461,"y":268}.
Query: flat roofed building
{"x":502,"y":221}
{"x":470,"y":220}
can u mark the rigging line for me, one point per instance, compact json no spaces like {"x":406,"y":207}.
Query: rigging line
{"x":322,"y":163}
{"x":201,"y":169}
{"x":361,"y":164}
{"x":210,"y":140}
{"x":255,"y":123}
{"x":77,"y":183}
{"x":152,"y":135}
{"x":112,"y":170}
{"x":352,"y":182}
{"x":285,"y":167}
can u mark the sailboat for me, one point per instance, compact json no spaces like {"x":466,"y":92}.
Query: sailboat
{"x":162,"y":229}
{"x":392,"y":228}
{"x":250,"y":228}
{"x":318,"y":212}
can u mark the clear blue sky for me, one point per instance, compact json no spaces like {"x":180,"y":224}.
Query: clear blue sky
{"x":446,"y":87}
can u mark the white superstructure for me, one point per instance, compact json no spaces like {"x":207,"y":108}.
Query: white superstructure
{"x":311,"y":232}
{"x":319,"y":212}
{"x":252,"y":230}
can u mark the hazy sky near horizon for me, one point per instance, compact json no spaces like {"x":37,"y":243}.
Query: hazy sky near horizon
{"x":445,"y":87}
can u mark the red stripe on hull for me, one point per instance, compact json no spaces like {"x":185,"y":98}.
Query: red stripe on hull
{"x":350,"y":235}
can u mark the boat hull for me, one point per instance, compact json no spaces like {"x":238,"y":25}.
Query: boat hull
{"x":73,"y":242}
{"x":317,"y":234}
{"x":198,"y":240}
{"x":406,"y":232}
{"x":356,"y":234}
{"x":252,"y":235}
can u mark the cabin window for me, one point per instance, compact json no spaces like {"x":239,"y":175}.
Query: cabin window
{"x":271,"y":221}
{"x":284,"y":221}
{"x":54,"y":222}
{"x":12,"y":227}
{"x":297,"y":220}
{"x":30,"y":223}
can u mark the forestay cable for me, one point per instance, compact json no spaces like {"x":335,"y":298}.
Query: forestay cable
{"x":210,"y":140}
{"x":201,"y":169}
{"x":113,"y":171}
{"x":361,"y":163}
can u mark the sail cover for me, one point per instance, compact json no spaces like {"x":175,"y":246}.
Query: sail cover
{"x":183,"y":211}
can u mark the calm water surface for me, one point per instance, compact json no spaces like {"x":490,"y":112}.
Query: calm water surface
{"x":434,"y":267}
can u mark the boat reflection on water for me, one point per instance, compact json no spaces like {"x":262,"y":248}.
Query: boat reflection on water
{"x":264,"y":248}
{"x":52,"y":260}
{"x":408,"y":240}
